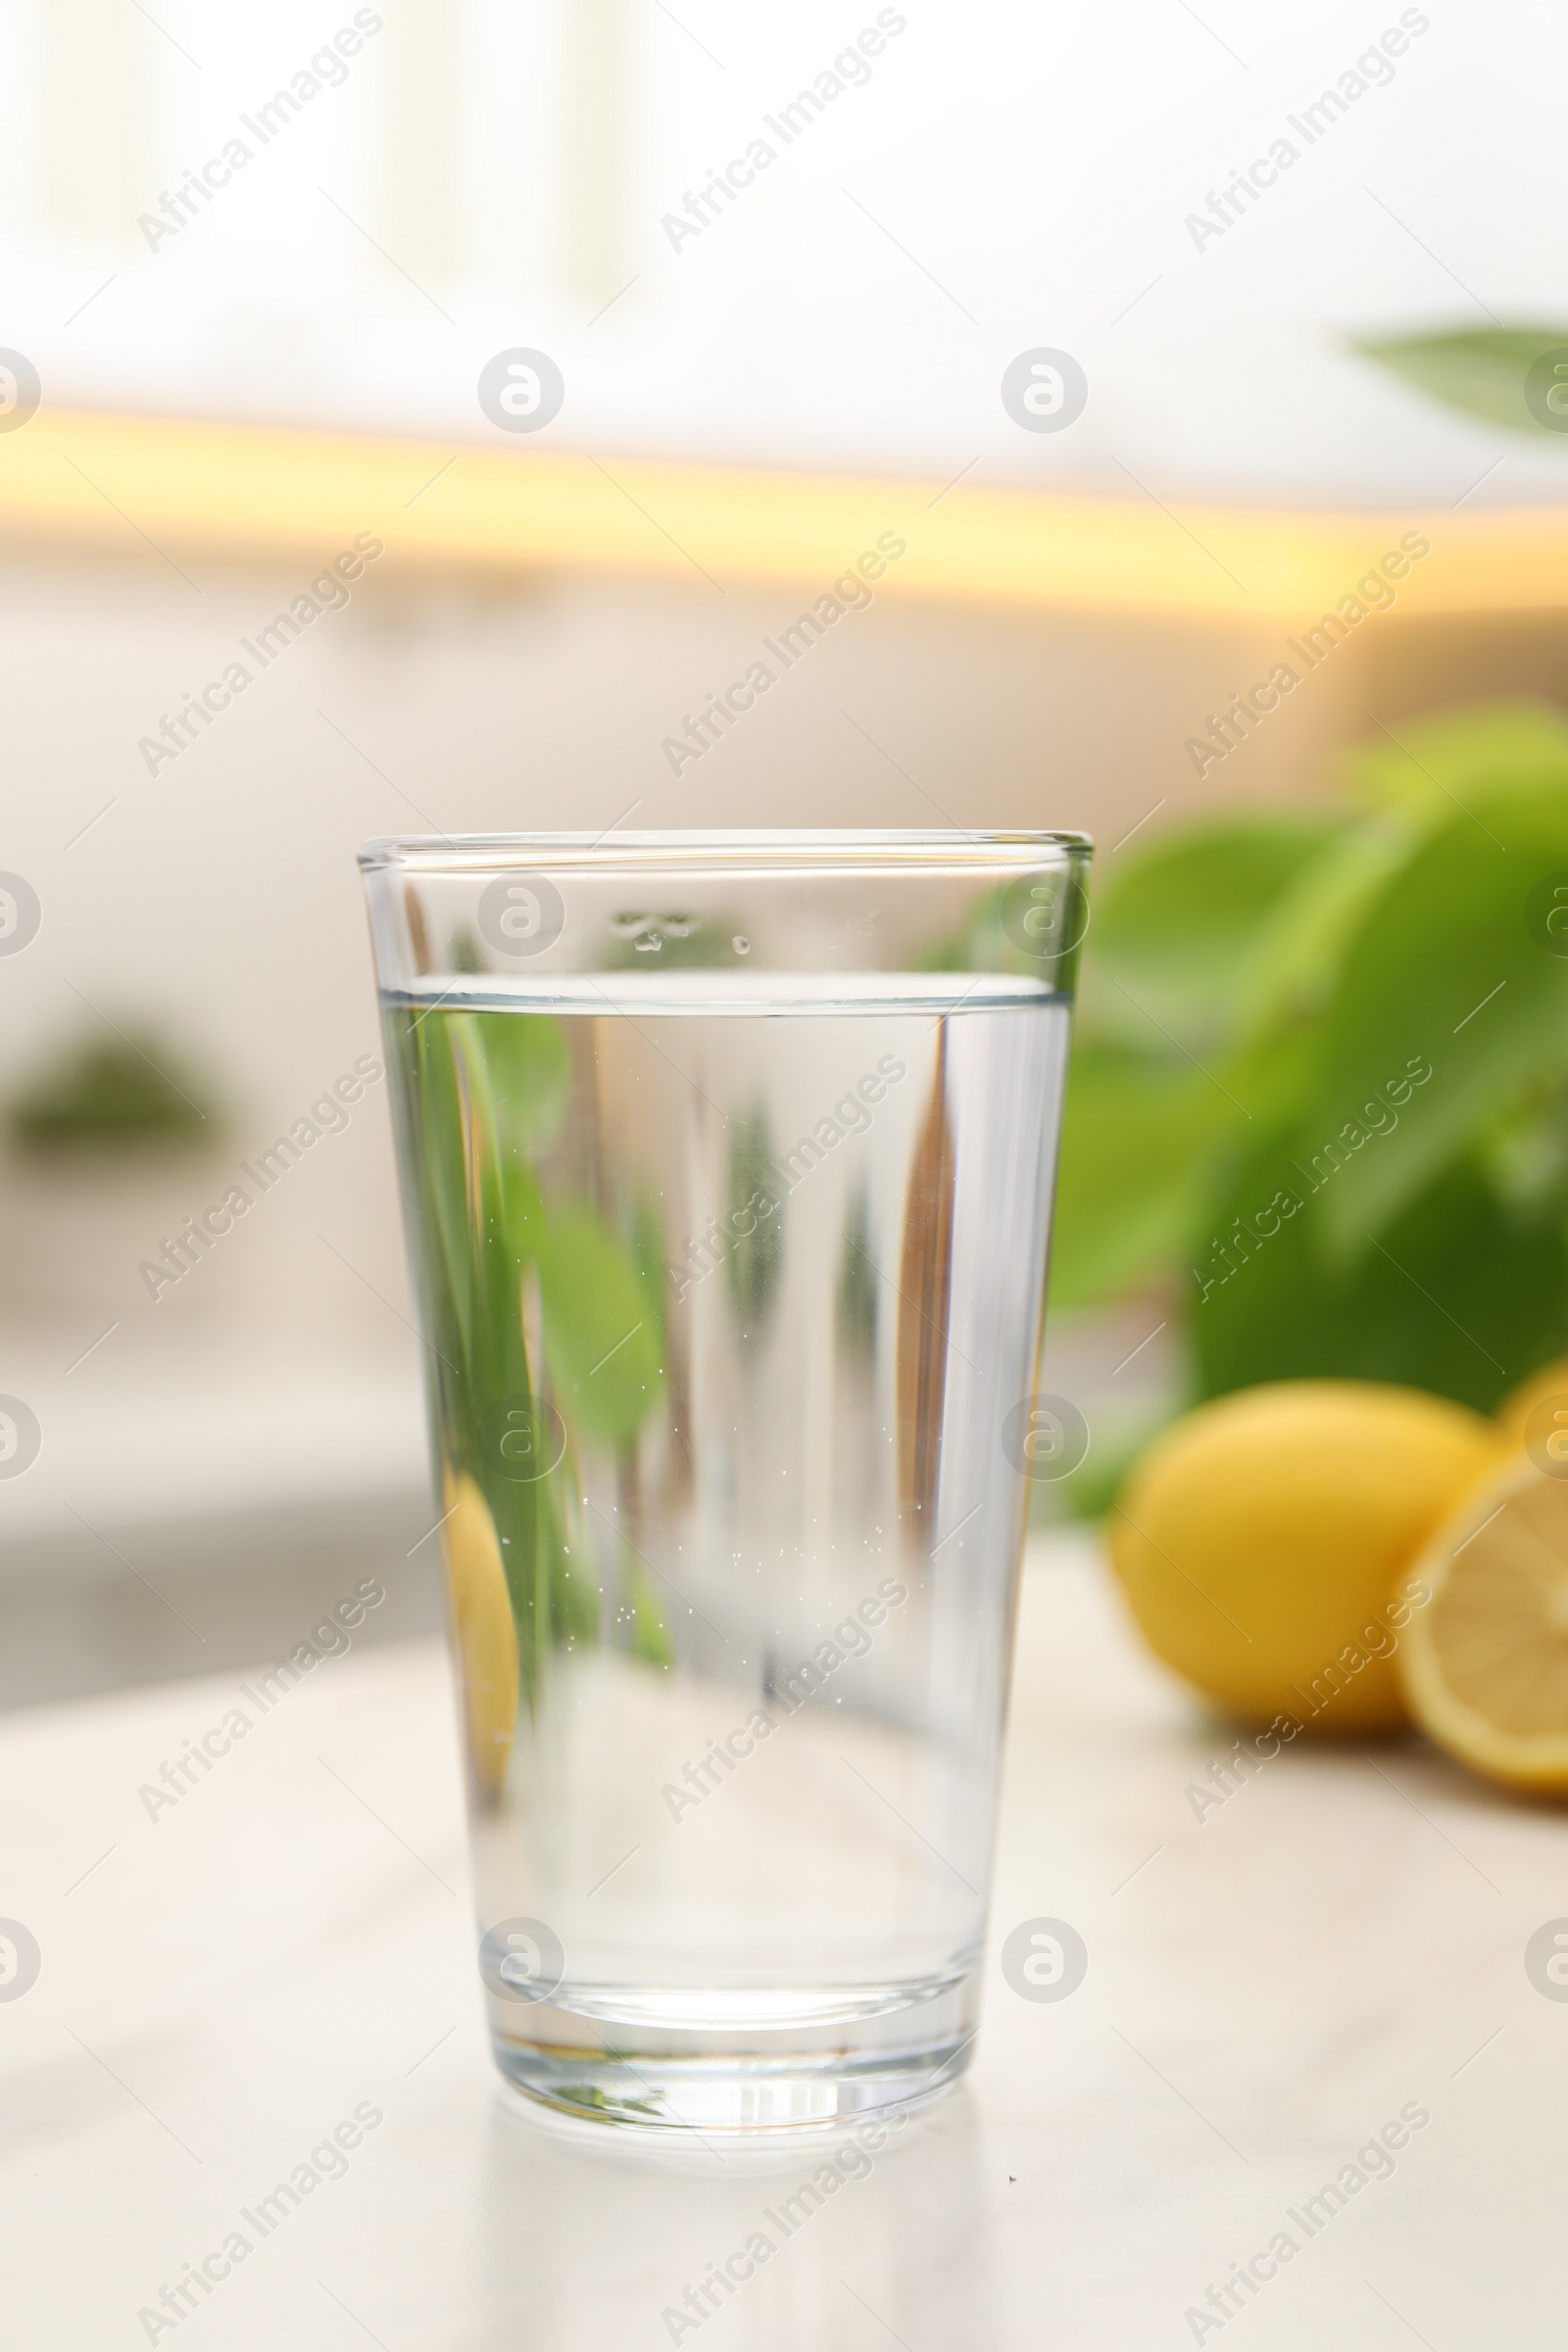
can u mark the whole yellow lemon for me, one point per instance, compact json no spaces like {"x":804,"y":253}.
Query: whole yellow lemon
{"x":1260,"y":1540}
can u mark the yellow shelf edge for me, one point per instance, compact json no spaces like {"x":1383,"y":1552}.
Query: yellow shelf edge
{"x":94,"y":481}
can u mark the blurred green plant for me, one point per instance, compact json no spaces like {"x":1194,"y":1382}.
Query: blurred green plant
{"x":1320,"y":1093}
{"x":108,"y":1098}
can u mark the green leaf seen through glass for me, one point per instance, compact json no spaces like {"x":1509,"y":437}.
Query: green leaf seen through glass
{"x":600,"y":1327}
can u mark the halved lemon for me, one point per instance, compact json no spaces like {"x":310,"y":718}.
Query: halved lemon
{"x":1483,"y":1663}
{"x":1535,"y":1416}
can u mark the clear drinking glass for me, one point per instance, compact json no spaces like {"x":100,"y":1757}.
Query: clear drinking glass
{"x":727,"y":1163}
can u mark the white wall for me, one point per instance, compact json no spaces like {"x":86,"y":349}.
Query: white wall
{"x":1009,"y":176}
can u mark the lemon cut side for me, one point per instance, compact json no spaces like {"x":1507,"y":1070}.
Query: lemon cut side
{"x":1485,"y":1662}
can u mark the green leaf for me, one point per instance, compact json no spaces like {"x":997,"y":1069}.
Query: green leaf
{"x":442,"y":1213}
{"x":1297,"y":956}
{"x":755,"y":1262}
{"x":1176,"y":929}
{"x":1274,"y":1077}
{"x":650,"y":1638}
{"x":1433,"y":768}
{"x":1461,"y":1297}
{"x":601,"y":1327}
{"x":574,"y":1604}
{"x":1481,"y":372}
{"x":649,"y":1259}
{"x":1134,"y":1145}
{"x":527,"y":1075}
{"x":1525,"y":1149}
{"x":1444,"y":976}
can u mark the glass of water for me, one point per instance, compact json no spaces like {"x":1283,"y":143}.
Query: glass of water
{"x":727,"y":1163}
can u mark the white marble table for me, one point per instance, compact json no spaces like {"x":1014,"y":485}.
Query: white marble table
{"x":288,"y":1946}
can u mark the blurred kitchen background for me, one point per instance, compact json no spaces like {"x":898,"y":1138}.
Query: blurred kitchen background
{"x":256,"y":272}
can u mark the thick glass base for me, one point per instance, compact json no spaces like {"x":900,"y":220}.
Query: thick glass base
{"x":779,"y":2072}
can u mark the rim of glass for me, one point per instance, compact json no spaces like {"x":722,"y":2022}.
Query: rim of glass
{"x":756,"y":848}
